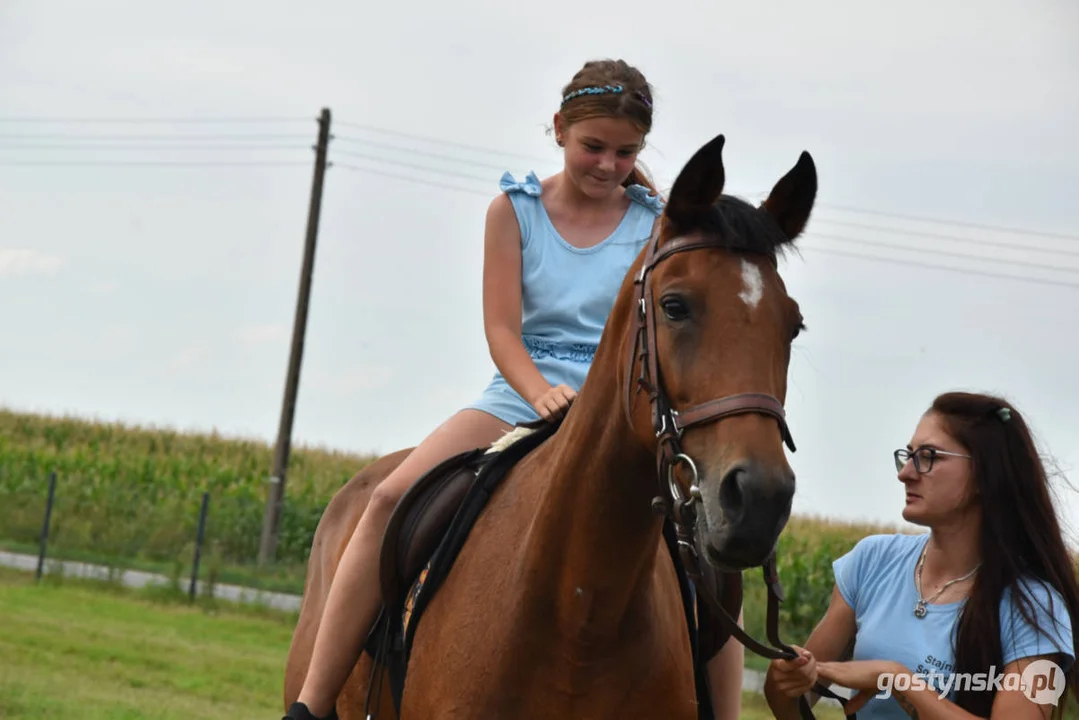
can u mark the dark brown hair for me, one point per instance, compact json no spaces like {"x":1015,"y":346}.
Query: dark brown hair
{"x":1021,"y":537}
{"x":633,"y":103}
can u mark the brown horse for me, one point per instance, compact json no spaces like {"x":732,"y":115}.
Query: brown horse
{"x":564,"y":601}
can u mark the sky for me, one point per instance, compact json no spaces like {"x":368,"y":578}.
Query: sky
{"x":152,"y":279}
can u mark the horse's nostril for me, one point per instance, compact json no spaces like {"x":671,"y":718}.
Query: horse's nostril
{"x":730,"y":493}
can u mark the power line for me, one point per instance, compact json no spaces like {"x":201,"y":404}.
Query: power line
{"x":224,"y":120}
{"x":150,"y":163}
{"x":830,"y":251}
{"x":844,"y":208}
{"x":957,"y":223}
{"x":955,"y":238}
{"x":879,"y":228}
{"x":945,"y":253}
{"x":929,"y":266}
{"x":439,"y":141}
{"x":909,"y":232}
{"x":149,"y":146}
{"x":435,"y":156}
{"x":416,"y":166}
{"x":479,"y":163}
{"x":171,"y":137}
{"x":408,"y":178}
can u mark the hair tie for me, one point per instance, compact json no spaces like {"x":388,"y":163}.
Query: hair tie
{"x":1005,"y":414}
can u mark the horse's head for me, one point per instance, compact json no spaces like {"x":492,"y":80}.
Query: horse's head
{"x":712,"y":347}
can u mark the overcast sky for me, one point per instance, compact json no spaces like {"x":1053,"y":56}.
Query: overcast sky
{"x":163,"y":294}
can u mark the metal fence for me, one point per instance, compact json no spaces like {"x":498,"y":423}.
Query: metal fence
{"x":196,"y":540}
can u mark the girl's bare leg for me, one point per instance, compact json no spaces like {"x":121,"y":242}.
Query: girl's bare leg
{"x":354,"y":598}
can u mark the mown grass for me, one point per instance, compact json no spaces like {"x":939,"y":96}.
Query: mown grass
{"x":87,"y":650}
{"x":128,"y":497}
{"x":78,"y":649}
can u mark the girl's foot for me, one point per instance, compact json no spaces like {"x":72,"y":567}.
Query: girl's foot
{"x":299,"y":711}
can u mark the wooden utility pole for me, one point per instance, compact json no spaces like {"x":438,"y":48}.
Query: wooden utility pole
{"x":272,"y":516}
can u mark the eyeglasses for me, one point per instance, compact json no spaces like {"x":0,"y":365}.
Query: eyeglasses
{"x":923,"y":458}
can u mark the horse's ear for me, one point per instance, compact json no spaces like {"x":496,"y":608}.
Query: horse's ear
{"x":792,"y":198}
{"x":700,"y":183}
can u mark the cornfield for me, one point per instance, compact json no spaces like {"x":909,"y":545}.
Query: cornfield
{"x":130,"y":496}
{"x":133,"y":493}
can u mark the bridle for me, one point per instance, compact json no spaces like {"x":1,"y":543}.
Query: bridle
{"x":669,"y":424}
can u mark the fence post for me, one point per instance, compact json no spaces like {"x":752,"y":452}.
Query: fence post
{"x":45,"y":525}
{"x":198,"y":543}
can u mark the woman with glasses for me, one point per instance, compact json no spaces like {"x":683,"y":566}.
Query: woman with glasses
{"x":970,"y":620}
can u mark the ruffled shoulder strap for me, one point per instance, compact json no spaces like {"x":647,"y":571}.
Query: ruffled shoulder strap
{"x":643,"y":196}
{"x":524,"y":196}
{"x":530,"y":185}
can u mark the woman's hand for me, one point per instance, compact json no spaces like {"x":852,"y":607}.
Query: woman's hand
{"x":554,"y":402}
{"x":864,"y":676}
{"x":794,"y":678}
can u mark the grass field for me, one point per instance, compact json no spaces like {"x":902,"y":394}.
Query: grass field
{"x":72,"y":649}
{"x":79,"y":650}
{"x":133,"y":493}
{"x":128,"y":497}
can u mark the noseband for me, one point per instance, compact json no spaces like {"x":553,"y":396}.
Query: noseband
{"x":669,"y":424}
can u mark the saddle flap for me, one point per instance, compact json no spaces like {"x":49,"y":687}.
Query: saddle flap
{"x":420,"y":519}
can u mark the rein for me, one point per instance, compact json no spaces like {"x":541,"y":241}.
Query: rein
{"x":669,"y":424}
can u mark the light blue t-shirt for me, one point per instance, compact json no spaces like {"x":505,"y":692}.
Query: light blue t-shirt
{"x":876,"y":578}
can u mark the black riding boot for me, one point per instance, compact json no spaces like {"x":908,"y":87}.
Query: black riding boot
{"x":299,"y":711}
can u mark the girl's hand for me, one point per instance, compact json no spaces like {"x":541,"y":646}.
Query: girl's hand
{"x":554,"y":402}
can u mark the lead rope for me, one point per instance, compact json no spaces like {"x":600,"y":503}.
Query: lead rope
{"x":775,"y":598}
{"x":682,"y":516}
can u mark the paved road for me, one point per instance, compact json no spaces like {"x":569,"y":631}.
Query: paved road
{"x":138,"y":579}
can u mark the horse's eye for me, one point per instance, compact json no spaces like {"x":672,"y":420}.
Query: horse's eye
{"x":674,"y":308}
{"x":798,"y":329}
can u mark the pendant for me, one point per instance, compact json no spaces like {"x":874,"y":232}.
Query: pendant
{"x":919,"y":609}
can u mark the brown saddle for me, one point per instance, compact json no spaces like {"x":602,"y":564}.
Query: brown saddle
{"x":419,"y":522}
{"x":428,"y":527}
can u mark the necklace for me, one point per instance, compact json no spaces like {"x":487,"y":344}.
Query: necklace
{"x":919,"y":607}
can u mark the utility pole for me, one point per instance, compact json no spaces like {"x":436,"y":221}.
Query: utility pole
{"x":275,"y":497}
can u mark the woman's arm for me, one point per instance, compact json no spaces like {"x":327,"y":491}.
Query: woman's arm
{"x":919,"y":700}
{"x":502,"y":301}
{"x":1011,"y":702}
{"x":829,"y":641}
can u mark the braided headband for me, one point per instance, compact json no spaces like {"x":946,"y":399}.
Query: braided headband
{"x":604,"y":90}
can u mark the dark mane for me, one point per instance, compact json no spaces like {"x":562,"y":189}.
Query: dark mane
{"x":741,"y":227}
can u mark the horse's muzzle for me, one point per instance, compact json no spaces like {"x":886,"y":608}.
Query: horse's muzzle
{"x":745,"y":514}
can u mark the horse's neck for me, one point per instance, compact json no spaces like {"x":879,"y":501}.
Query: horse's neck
{"x":593,"y":538}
